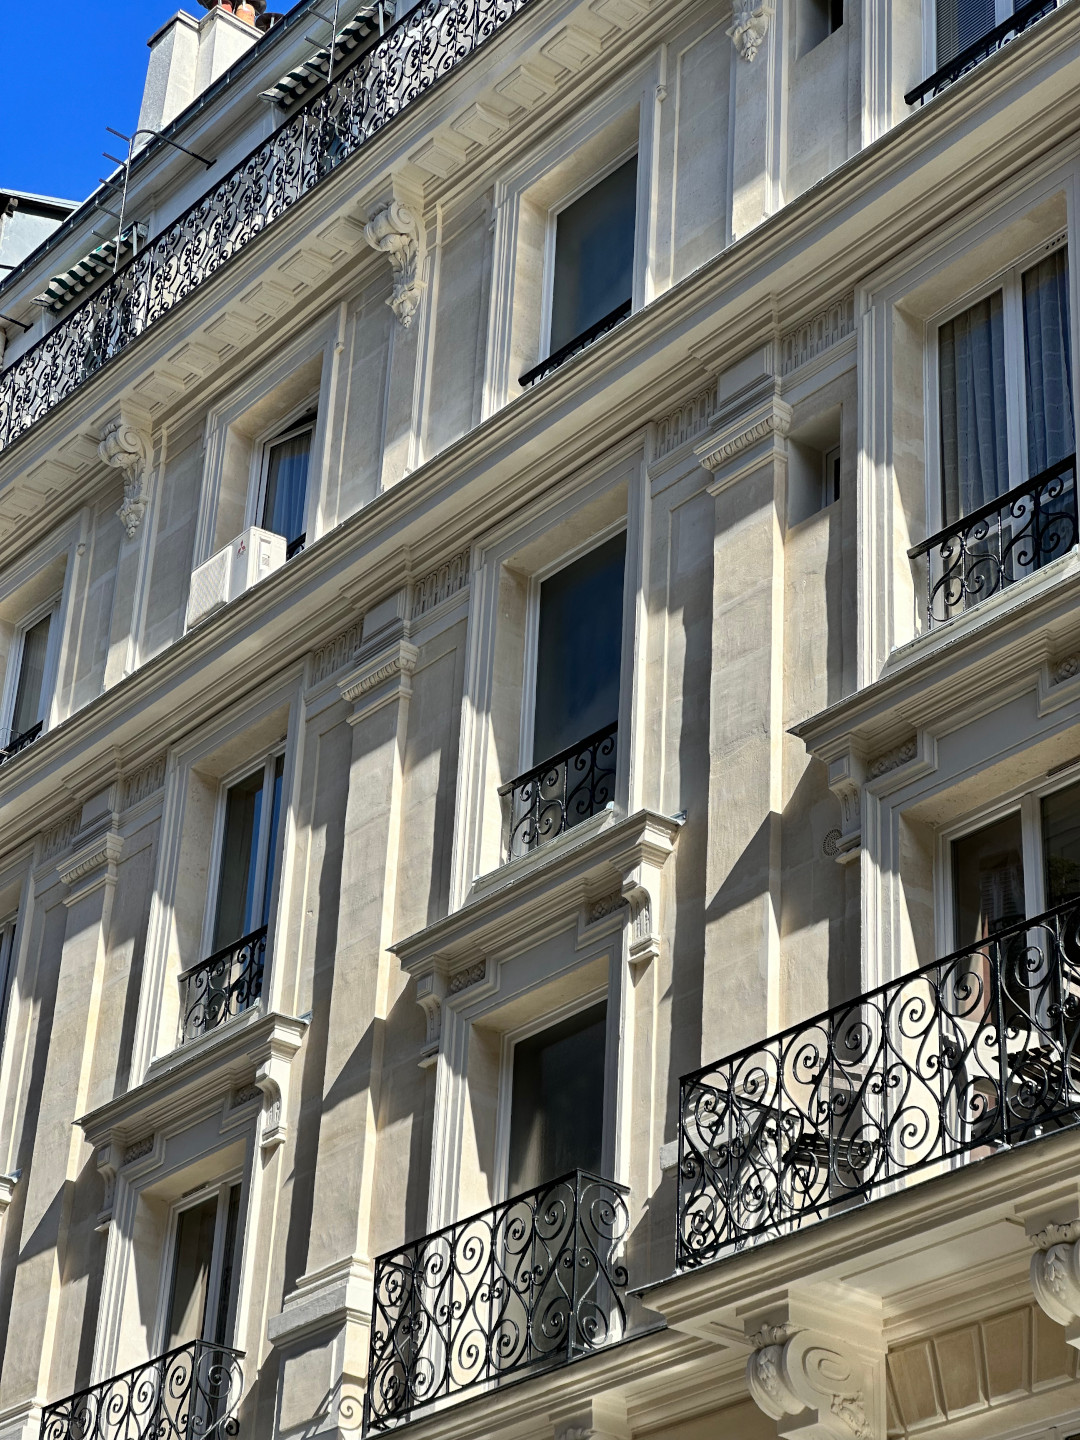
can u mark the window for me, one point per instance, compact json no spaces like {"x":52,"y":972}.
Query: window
{"x":283,"y":493}
{"x":30,"y":679}
{"x":7,"y":969}
{"x":578,"y":663}
{"x":1005,"y":375}
{"x":593,"y":267}
{"x":201,"y":1295}
{"x":557,"y":1101}
{"x":818,"y":19}
{"x":830,"y":476}
{"x":961,"y":22}
{"x":252,"y":813}
{"x":1016,"y":866}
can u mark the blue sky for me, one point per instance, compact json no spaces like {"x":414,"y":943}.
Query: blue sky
{"x":65,"y":80}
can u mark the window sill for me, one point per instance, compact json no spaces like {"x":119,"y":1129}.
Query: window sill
{"x":988,"y":613}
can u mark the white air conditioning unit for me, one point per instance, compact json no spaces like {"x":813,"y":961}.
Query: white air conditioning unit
{"x":248,"y":559}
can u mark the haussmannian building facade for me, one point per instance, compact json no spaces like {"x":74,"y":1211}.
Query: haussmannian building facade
{"x":540,"y":732}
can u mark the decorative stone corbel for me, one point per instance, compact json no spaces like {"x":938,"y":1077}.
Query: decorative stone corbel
{"x":430,"y":994}
{"x":846,"y":775}
{"x":125,"y":445}
{"x":641,"y":891}
{"x":394,"y":231}
{"x":600,"y":1417}
{"x":7,"y":1191}
{"x":814,"y":1386}
{"x":1055,"y":1276}
{"x":750,"y":26}
{"x":108,"y":1159}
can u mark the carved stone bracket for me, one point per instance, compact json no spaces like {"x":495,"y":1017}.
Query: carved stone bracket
{"x":748,"y":429}
{"x":394,"y":231}
{"x":430,"y":994}
{"x":846,"y":775}
{"x":7,"y":1191}
{"x":125,"y":445}
{"x":750,"y":25}
{"x":1055,"y":1276}
{"x":813,"y":1385}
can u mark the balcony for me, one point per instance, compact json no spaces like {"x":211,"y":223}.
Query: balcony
{"x":227,"y":983}
{"x":573,"y":347}
{"x":560,"y":793}
{"x":317,"y":138}
{"x":991,"y":548}
{"x":192,"y":1391}
{"x":526,"y":1286}
{"x":951,"y":1063}
{"x":18,"y":743}
{"x":1020,"y":20}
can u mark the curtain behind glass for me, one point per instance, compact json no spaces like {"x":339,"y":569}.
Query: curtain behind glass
{"x":194,"y":1251}
{"x":594,"y":255}
{"x":286,"y":487}
{"x":974,"y":443}
{"x":27,"y":711}
{"x":988,"y":880}
{"x":1048,"y":363}
{"x":239,"y":860}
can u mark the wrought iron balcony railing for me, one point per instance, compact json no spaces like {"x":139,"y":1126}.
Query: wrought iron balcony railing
{"x":20,"y":742}
{"x":222,"y":986}
{"x":525,"y":1286}
{"x":320,"y":135}
{"x":190,"y":1394}
{"x":997,"y":544}
{"x":1019,"y":21}
{"x":941,"y":1066}
{"x":579,"y":342}
{"x":560,"y":793}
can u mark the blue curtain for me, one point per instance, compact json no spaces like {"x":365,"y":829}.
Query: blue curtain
{"x":974,"y":443}
{"x":1048,"y":363}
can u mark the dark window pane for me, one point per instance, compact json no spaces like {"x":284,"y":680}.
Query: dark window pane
{"x":271,"y":843}
{"x":228,"y":1267}
{"x":578,"y":649}
{"x":286,"y":486}
{"x":239,"y":860}
{"x":191,"y":1271}
{"x":959,"y":24}
{"x":557,"y":1102}
{"x":28,"y":696}
{"x":1061,"y":844}
{"x":974,"y":444}
{"x":1048,"y":363}
{"x":988,"y":875}
{"x":594,"y":255}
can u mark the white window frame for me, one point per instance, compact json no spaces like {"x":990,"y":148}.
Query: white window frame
{"x":1010,"y":282}
{"x":532,"y":634}
{"x":51,"y":608}
{"x":261,"y":842}
{"x":548,"y":292}
{"x":510,"y":1039}
{"x":221,"y":1186}
{"x":283,"y":429}
{"x":8,"y":936}
{"x":1027,"y":801}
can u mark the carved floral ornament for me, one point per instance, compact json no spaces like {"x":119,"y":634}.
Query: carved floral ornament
{"x":750,"y":25}
{"x":394,"y":232}
{"x":1055,"y":1276}
{"x":125,"y":446}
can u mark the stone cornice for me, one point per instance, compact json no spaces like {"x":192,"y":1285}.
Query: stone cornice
{"x":195,"y":1078}
{"x":542,"y":889}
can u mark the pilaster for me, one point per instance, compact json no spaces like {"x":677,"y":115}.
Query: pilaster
{"x":746,"y":452}
{"x":756,"y":73}
{"x":322,"y":1335}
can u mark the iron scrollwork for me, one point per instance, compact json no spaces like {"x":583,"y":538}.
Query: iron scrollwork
{"x":530,"y":1284}
{"x":563,"y":791}
{"x":948,"y":1063}
{"x":18,"y":743}
{"x":228,"y":982}
{"x":998,"y":544}
{"x":364,"y":97}
{"x":189,"y":1394}
{"x":1020,"y":20}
